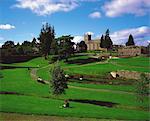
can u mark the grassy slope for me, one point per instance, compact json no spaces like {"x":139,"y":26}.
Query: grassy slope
{"x":140,"y":64}
{"x":135,"y":61}
{"x":126,"y":88}
{"x":51,"y":107}
{"x":22,"y":104}
{"x":37,"y":62}
{"x":19,"y":80}
{"x":22,"y":117}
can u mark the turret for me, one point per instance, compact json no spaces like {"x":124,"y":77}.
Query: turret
{"x":87,"y":37}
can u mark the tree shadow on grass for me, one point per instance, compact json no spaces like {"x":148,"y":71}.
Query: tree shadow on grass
{"x":82,"y":61}
{"x":95,"y":102}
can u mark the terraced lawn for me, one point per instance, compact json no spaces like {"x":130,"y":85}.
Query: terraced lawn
{"x":27,"y":96}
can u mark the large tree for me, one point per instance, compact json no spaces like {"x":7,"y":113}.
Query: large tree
{"x":8,"y":44}
{"x":34,"y":42}
{"x":65,"y":47}
{"x":130,"y":41}
{"x":102,"y":42}
{"x":46,"y":37}
{"x":106,"y":41}
{"x":82,"y":47}
{"x":58,"y":81}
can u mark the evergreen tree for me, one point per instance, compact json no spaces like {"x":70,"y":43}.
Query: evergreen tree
{"x":46,"y":37}
{"x":54,"y":47}
{"x":65,"y":47}
{"x":130,"y":41}
{"x":106,"y":41}
{"x":59,"y":81}
{"x":102,"y":42}
{"x":34,"y":42}
{"x":107,"y":32}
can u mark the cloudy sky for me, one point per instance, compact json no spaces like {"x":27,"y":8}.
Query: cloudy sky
{"x":22,"y":20}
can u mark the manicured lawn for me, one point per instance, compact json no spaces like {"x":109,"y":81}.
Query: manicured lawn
{"x":126,"y":88}
{"x":36,"y":62}
{"x":35,"y":105}
{"x":37,"y":99}
{"x":19,"y":80}
{"x":135,"y":61}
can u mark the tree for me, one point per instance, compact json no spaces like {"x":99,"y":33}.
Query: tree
{"x":34,"y":42}
{"x":106,"y":41}
{"x":82,"y":46}
{"x":8,"y":44}
{"x":20,"y":50}
{"x":46,"y":37}
{"x":130,"y":41}
{"x":65,"y":47}
{"x":59,"y":81}
{"x":26,"y":43}
{"x":54,"y":47}
{"x":102,"y":42}
{"x":142,"y":87}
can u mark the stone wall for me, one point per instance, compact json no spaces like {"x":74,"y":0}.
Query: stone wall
{"x":129,"y":51}
{"x":128,"y":74}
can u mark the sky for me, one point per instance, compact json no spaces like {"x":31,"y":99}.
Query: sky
{"x":22,"y":20}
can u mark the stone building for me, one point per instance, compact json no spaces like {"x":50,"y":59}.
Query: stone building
{"x":92,"y":44}
{"x":129,"y":51}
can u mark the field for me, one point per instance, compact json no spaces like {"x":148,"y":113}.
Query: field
{"x":21,"y":93}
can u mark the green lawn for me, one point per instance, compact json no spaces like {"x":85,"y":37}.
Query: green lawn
{"x":126,"y":88}
{"x":37,"y":62}
{"x":140,"y":64}
{"x":33,"y":101}
{"x":35,"y":105}
{"x":135,"y":61}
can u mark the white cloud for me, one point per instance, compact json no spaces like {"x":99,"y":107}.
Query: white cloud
{"x":140,"y":35}
{"x":95,"y":15}
{"x":77,"y":39}
{"x":47,"y":7}
{"x":6,"y":26}
{"x":116,"y":8}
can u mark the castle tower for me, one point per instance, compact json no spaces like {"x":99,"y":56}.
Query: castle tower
{"x":87,"y":37}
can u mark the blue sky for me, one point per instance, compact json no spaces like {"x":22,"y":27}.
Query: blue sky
{"x":22,"y":20}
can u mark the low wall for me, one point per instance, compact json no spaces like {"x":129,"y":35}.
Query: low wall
{"x":128,"y":74}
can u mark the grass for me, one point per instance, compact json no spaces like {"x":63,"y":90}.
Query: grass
{"x":13,"y":83}
{"x":102,"y":69}
{"x":126,"y":88}
{"x":18,"y":80}
{"x":135,"y":61}
{"x":36,"y":62}
{"x":51,"y":107}
{"x":33,"y":102}
{"x":23,"y":117}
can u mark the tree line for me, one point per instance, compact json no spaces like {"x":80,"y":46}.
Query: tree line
{"x":47,"y":44}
